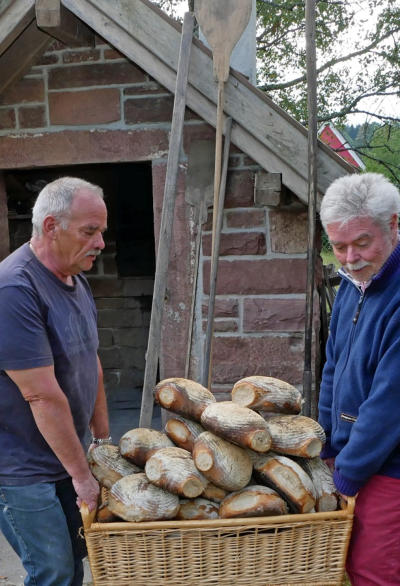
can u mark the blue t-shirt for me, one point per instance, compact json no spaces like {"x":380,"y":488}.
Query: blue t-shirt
{"x":43,"y":322}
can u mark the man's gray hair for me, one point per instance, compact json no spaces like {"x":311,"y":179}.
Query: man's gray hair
{"x":360,"y":195}
{"x":55,"y":199}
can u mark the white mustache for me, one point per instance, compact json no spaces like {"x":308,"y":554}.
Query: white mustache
{"x":93,"y":253}
{"x":357,"y":266}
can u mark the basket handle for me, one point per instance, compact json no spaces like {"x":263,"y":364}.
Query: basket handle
{"x":348,"y":505}
{"x":87,"y":516}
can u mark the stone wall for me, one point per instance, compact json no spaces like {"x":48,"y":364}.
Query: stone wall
{"x":92,"y":106}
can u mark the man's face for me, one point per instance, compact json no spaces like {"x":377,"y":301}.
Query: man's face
{"x":78,"y":245}
{"x":362,"y":246}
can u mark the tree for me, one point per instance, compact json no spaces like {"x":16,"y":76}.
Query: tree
{"x":358,"y":63}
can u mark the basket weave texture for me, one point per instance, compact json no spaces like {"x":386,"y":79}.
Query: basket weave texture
{"x":287,"y":550}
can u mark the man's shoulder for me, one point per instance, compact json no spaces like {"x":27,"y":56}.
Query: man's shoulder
{"x":14,"y":268}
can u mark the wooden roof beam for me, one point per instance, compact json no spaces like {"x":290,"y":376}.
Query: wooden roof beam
{"x":21,"y":55}
{"x":53,"y":18}
{"x":15,"y":15}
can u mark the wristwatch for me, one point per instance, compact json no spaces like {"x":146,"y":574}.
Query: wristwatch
{"x":99,"y":441}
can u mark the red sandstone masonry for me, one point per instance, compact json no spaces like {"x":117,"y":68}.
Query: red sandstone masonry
{"x":81,"y":56}
{"x":32,"y":116}
{"x":285,"y":315}
{"x":140,"y":110}
{"x":288,"y":231}
{"x":245,"y":219}
{"x":82,"y":146}
{"x":23,"y":91}
{"x":94,"y":74}
{"x":223,"y":308}
{"x":7,"y":119}
{"x":240,"y":189}
{"x":97,"y":106}
{"x":235,"y":357}
{"x":255,"y":277}
{"x":237,"y":243}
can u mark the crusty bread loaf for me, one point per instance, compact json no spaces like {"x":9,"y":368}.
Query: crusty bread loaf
{"x":137,"y":445}
{"x":286,"y":477}
{"x":221,"y":462}
{"x":182,"y":431}
{"x":265,"y":393}
{"x":253,"y":501}
{"x":134,"y":498}
{"x":237,"y":424}
{"x":107,"y":465}
{"x":173,"y":469}
{"x":183,"y":396}
{"x":198,"y":508}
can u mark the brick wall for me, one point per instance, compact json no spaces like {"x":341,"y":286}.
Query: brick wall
{"x":90,"y":105}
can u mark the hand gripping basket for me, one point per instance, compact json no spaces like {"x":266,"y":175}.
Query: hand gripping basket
{"x":286,"y":550}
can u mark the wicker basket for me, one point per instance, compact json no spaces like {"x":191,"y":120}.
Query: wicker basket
{"x":286,"y":550}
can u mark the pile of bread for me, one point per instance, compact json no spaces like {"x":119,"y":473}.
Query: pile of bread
{"x":255,"y":455}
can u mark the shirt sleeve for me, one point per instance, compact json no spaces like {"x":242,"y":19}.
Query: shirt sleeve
{"x":24,"y":341}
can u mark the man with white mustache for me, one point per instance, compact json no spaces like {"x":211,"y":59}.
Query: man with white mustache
{"x":359,"y":403}
{"x":51,"y":382}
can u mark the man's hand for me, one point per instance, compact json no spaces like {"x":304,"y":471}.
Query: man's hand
{"x":88,"y":491}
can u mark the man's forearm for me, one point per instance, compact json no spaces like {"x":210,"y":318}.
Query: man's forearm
{"x":54,"y":420}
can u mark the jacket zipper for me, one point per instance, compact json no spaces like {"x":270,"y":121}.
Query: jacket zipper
{"x":360,"y":302}
{"x":354,"y":320}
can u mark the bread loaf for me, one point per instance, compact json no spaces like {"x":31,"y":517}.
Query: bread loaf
{"x":264,"y":393}
{"x":222,"y":463}
{"x":182,"y":431}
{"x":107,"y":465}
{"x":198,"y":508}
{"x":253,"y":501}
{"x":237,"y":424}
{"x":183,"y":396}
{"x":295,"y":435}
{"x":137,"y":445}
{"x":286,"y":477}
{"x":134,"y":498}
{"x":173,"y":469}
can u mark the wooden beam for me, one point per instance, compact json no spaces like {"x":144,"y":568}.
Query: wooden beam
{"x":15,"y":16}
{"x":4,"y":233}
{"x":60,"y":23}
{"x":48,"y":13}
{"x":260,"y":128}
{"x":20,"y":56}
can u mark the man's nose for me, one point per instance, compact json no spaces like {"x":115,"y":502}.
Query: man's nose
{"x":99,"y":242}
{"x":352,"y":254}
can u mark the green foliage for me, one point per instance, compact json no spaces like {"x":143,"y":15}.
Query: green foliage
{"x":353,"y":61}
{"x":383,"y":153}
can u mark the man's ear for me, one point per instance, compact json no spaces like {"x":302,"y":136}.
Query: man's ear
{"x":49,"y":226}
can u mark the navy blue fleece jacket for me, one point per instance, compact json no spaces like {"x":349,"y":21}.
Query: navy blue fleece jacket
{"x":359,"y":405}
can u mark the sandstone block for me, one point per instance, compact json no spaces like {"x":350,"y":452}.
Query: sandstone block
{"x":237,"y":243}
{"x":285,"y":315}
{"x":255,"y":277}
{"x":97,"y":106}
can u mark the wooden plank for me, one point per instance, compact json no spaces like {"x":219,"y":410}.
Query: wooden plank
{"x":61,"y":24}
{"x":167,"y":219}
{"x":261,"y":129}
{"x":4,"y":234}
{"x":15,"y":16}
{"x":20,"y":56}
{"x":48,"y":13}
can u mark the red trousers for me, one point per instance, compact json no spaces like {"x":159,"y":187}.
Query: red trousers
{"x":374,"y":553}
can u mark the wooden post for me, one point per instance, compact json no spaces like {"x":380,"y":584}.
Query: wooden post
{"x":207,"y":368}
{"x":309,"y":404}
{"x":167,"y":217}
{"x":4,"y":233}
